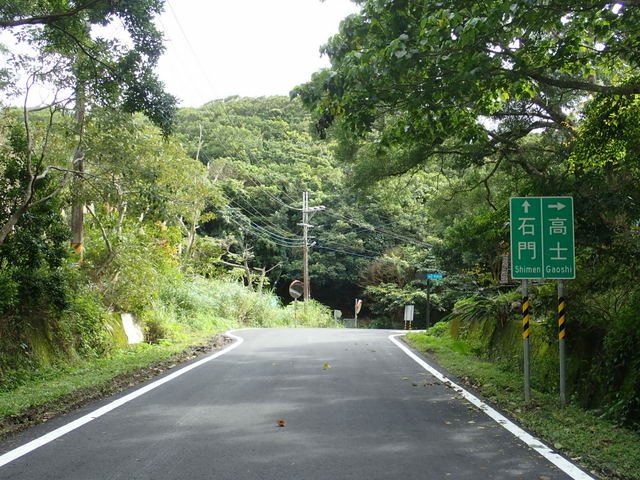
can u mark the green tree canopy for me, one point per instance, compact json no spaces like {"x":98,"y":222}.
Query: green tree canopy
{"x":70,"y":42}
{"x":467,"y":80}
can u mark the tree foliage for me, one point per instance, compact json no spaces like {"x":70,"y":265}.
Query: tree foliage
{"x":432,"y":115}
{"x":467,"y":82}
{"x":486,"y":100}
{"x":70,"y":40}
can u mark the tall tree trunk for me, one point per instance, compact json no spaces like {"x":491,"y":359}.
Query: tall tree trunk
{"x":77,"y":213}
{"x":191,"y":239}
{"x":16,"y":215}
{"x":199,"y":144}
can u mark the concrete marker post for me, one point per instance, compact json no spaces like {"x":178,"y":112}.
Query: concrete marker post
{"x":355,"y":311}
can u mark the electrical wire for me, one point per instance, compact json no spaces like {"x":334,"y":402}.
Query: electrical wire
{"x":285,"y":238}
{"x":256,"y":183}
{"x":353,"y":254}
{"x":257,"y":213}
{"x":264,"y":233}
{"x":252,"y":179}
{"x":204,"y":74}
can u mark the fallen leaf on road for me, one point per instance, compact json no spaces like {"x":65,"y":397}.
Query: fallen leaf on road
{"x":326,"y":366}
{"x":281,"y":423}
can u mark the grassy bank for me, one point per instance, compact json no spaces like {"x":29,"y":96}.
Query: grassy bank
{"x":46,"y":385}
{"x":605,"y":449}
{"x":181,"y":326}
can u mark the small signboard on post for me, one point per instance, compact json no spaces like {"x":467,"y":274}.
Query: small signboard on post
{"x":408,"y":316}
{"x":431,"y":277}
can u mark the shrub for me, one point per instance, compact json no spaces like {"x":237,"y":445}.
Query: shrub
{"x":84,"y":324}
{"x":618,"y":372}
{"x":477,"y":307}
{"x":9,"y":288}
{"x":440,"y":329}
{"x":313,"y":314}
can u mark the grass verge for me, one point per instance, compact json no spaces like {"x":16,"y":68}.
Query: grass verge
{"x":55,"y":390}
{"x":604,"y":449}
{"x":178,"y":326}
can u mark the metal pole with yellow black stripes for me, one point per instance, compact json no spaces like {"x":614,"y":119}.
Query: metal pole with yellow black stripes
{"x":526,"y":331}
{"x":562,"y":333}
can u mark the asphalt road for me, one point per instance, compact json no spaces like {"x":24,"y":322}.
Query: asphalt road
{"x":354,"y":406}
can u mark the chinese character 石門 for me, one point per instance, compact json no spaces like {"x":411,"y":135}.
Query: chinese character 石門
{"x":527,"y":228}
{"x":527,"y":246}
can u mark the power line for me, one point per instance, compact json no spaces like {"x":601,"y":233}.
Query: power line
{"x":353,"y":254}
{"x":290,"y":241}
{"x":255,"y":182}
{"x":190,"y":47}
{"x":264,"y":233}
{"x":265,"y":190}
{"x":257,"y":213}
{"x":252,"y":178}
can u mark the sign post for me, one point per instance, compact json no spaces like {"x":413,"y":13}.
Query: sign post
{"x":562,"y":306}
{"x":429,"y":277}
{"x":543,"y":247}
{"x":296,"y":289}
{"x":525,"y":340}
{"x":356,"y":309}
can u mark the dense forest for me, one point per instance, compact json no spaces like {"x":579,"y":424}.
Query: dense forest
{"x":432,"y":115}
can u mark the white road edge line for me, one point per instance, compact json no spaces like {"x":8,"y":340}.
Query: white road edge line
{"x":532,"y":442}
{"x":16,"y":453}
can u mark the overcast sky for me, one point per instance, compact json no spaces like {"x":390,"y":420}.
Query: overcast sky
{"x":218,"y":48}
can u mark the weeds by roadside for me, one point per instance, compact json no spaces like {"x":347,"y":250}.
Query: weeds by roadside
{"x":181,"y":324}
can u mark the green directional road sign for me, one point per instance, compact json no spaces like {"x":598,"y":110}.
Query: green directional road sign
{"x":542,"y":240}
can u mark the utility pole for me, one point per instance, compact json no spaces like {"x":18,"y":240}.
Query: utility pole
{"x":306,"y":210}
{"x":305,"y":247}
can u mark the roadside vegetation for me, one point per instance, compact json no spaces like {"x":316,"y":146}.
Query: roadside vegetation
{"x":430,"y":117}
{"x":588,"y":437}
{"x":180,"y":326}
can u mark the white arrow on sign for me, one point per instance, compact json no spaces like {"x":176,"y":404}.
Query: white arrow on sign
{"x":557,"y":206}
{"x":526,"y":206}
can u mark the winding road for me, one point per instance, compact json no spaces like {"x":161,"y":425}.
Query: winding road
{"x":281,"y":404}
